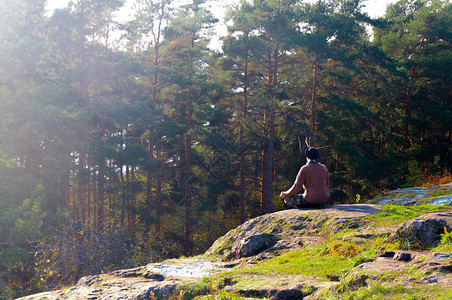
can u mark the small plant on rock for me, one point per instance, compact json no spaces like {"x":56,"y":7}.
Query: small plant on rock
{"x":446,"y":241}
{"x":406,"y":240}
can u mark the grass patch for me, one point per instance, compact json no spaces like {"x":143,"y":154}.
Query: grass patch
{"x":308,"y":262}
{"x":191,"y":290}
{"x":221,"y":296}
{"x":446,"y":242}
{"x":330,"y":259}
{"x":257,"y":282}
{"x":223,"y":244}
{"x":208,"y":289}
{"x":391,"y":214}
{"x":387,"y":291}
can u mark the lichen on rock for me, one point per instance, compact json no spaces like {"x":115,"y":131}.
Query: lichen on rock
{"x":252,"y":245}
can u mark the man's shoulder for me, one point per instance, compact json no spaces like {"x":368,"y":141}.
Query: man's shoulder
{"x":315,"y":166}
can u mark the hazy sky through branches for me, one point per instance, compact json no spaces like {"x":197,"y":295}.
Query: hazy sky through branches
{"x":375,"y":8}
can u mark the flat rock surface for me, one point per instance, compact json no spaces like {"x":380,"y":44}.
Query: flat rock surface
{"x":438,"y":195}
{"x":111,"y":287}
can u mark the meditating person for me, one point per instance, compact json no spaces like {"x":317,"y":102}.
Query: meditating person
{"x":314,"y":178}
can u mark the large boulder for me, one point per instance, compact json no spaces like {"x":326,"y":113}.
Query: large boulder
{"x":288,"y":229}
{"x":423,"y":231}
{"x":252,"y":245}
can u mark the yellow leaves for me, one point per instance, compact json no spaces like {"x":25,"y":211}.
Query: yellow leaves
{"x":172,"y":43}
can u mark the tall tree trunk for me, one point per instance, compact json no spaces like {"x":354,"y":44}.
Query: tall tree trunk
{"x":269,"y":124}
{"x":187,"y":175}
{"x":155,"y":78}
{"x":408,"y":95}
{"x":314,"y":93}
{"x":153,"y":205}
{"x":88,"y":203}
{"x":110,"y":194}
{"x":124,"y":196}
{"x":267,"y":167}
{"x":81,"y":208}
{"x":101,"y":181}
{"x":65,"y":192}
{"x":150,"y":177}
{"x":133,"y":223}
{"x":100,"y":196}
{"x":243,"y":144}
{"x":158,"y":191}
{"x":128,"y":201}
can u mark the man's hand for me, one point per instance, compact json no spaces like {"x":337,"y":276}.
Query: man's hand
{"x":283,"y":195}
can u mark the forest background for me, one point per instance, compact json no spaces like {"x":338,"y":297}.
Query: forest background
{"x":127,"y":143}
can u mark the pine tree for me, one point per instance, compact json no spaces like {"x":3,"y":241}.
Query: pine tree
{"x":188,"y":33}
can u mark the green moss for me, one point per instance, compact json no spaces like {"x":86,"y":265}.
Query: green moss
{"x":395,"y":214}
{"x":191,"y":290}
{"x":327,"y":260}
{"x":223,"y":244}
{"x":222,"y":296}
{"x":307,"y":262}
{"x":257,"y":282}
{"x":388,"y":291}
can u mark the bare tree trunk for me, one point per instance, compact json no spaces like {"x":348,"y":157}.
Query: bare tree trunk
{"x":408,"y":95}
{"x":101,"y":182}
{"x":100,"y":197}
{"x":150,"y":177}
{"x":123,"y":192}
{"x":88,"y":204}
{"x":243,"y":144}
{"x":133,"y":221}
{"x":129,"y":227}
{"x":269,"y":124}
{"x":158,"y":209}
{"x":314,"y":93}
{"x":65,"y":192}
{"x":187,"y":175}
{"x":81,"y":209}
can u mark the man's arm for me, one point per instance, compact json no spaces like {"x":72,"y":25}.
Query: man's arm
{"x":295,"y":187}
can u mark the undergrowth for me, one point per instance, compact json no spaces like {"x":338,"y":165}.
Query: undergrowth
{"x":432,"y":180}
{"x":446,"y":243}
